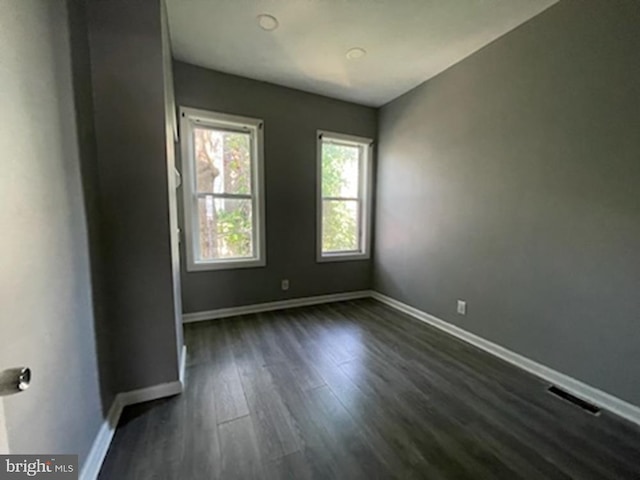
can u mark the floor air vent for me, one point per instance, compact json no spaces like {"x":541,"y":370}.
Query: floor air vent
{"x":589,"y":407}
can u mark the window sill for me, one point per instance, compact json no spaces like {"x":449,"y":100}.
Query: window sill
{"x":341,"y":257}
{"x":230,"y":265}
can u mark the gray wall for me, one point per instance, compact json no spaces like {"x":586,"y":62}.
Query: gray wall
{"x":81,"y":69}
{"x":511,"y":181}
{"x":291,"y":119}
{"x":46,"y":308}
{"x":128,"y":79}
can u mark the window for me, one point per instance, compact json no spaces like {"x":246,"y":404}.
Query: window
{"x":222,"y":166}
{"x":344,"y":197}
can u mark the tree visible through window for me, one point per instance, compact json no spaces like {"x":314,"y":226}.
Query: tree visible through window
{"x":344,"y":197}
{"x":221,"y":194}
{"x":223,"y":164}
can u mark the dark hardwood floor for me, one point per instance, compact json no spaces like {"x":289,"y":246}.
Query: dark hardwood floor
{"x":357,"y":390}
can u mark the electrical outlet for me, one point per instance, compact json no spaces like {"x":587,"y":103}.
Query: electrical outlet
{"x":285,"y":284}
{"x":462,"y":307}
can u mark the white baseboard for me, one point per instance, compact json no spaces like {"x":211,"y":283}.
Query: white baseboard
{"x":100,"y":447}
{"x":183,"y":365}
{"x":576,"y":387}
{"x":270,"y":306}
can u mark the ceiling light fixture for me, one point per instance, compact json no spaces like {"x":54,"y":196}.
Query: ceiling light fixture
{"x":356,"y":53}
{"x":267,"y":22}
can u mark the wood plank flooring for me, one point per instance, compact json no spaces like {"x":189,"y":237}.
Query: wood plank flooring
{"x":357,"y":390}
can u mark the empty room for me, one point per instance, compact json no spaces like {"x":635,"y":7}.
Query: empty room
{"x":320,"y":239}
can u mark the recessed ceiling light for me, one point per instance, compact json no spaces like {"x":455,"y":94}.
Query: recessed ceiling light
{"x":267,"y":22}
{"x":356,"y":53}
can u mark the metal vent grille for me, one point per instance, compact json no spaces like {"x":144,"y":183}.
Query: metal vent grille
{"x":589,"y":407}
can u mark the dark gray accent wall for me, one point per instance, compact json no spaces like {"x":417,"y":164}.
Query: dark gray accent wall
{"x":511,"y":181}
{"x":46,"y":299}
{"x":128,"y":79}
{"x":83,"y":95}
{"x":291,"y":119}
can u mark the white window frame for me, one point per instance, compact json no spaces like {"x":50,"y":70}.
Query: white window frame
{"x":190,"y":118}
{"x":364,"y":196}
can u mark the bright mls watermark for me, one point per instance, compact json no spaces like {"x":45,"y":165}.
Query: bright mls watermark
{"x":52,"y":467}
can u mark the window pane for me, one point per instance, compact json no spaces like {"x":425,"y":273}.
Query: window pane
{"x":223,"y":161}
{"x":340,"y":225}
{"x":340,"y":170}
{"x":225,"y":228}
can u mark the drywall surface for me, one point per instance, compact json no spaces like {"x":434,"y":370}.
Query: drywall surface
{"x":4,"y":440}
{"x":511,"y":181}
{"x":83,"y":96}
{"x":291,"y":119}
{"x":129,"y":96}
{"x":46,"y":311}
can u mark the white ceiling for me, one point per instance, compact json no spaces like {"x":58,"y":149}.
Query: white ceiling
{"x":408,"y":41}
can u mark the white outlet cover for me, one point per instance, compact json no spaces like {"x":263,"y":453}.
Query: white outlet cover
{"x":462,"y":307}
